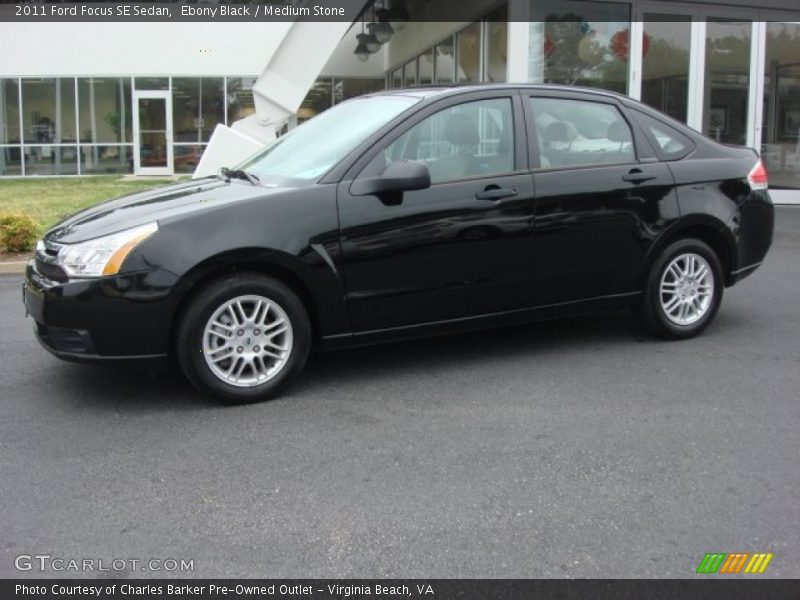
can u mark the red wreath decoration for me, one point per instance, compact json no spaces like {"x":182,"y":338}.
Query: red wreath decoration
{"x":619,"y":44}
{"x":549,"y":46}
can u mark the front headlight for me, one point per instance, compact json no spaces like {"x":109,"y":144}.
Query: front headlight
{"x":103,"y":255}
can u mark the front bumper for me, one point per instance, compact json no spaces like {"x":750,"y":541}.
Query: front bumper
{"x":110,"y":319}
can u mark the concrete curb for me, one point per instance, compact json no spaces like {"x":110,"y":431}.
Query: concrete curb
{"x":13,"y":266}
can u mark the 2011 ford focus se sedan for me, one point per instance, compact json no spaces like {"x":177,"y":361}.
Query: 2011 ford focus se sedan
{"x":407,"y":213}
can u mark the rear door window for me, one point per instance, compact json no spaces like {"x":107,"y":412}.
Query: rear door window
{"x":578,"y":133}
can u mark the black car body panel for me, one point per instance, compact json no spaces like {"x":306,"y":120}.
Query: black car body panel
{"x":450,"y":257}
{"x":125,"y":316}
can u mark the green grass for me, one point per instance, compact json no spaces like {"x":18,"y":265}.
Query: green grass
{"x":49,"y":200}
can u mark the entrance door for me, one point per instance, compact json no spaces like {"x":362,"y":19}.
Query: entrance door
{"x":152,"y":130}
{"x":661,"y":69}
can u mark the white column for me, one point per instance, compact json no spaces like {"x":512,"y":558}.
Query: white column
{"x":635,"y":59}
{"x":93,"y":124}
{"x":3,"y":126}
{"x":755,"y":106}
{"x":57,"y":149}
{"x":123,"y":113}
{"x":518,"y":50}
{"x":518,"y":42}
{"x":697,"y":66}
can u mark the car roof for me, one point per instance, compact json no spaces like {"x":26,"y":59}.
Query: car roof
{"x":428,"y":91}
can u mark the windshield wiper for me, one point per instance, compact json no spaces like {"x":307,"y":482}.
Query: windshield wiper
{"x":229,"y":174}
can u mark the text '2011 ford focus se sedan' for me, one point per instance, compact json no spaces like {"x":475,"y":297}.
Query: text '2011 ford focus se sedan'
{"x":407,"y":213}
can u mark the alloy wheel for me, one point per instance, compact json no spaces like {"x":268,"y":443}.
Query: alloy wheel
{"x":247,"y":340}
{"x":687,"y":289}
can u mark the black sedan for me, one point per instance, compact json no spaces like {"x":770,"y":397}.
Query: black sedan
{"x":407,"y":213}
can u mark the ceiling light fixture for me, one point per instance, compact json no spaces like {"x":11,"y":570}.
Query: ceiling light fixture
{"x":381,"y":29}
{"x":361,"y":51}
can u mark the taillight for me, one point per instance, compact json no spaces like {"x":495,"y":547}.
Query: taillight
{"x":758,"y":177}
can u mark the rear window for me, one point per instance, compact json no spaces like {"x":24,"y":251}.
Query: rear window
{"x":670,"y":144}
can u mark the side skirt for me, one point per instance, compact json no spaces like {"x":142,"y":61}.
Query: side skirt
{"x":486,"y":321}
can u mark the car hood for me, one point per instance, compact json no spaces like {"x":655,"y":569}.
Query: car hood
{"x":153,"y":205}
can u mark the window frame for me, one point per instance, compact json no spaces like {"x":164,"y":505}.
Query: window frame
{"x":521,"y":158}
{"x":642,"y":150}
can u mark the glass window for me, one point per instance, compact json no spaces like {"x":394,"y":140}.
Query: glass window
{"x":318,"y":99}
{"x":197,"y":107}
{"x":104,"y":110}
{"x":410,"y":73}
{"x":445,"y":65}
{"x":9,"y":111}
{"x":97,"y":160}
{"x":574,"y":133}
{"x":426,"y":67}
{"x":671,"y":143}
{"x":344,"y":89}
{"x":727,"y":81}
{"x":665,"y":63}
{"x":313,"y":148}
{"x":152,"y":83}
{"x":397,"y":78}
{"x":240,"y":98}
{"x":186,"y":156}
{"x":468,"y":140}
{"x":582,"y":43}
{"x":51,"y":160}
{"x":497,"y":44}
{"x":780,"y":148}
{"x":48,"y":106}
{"x":468,"y":57}
{"x":10,"y":160}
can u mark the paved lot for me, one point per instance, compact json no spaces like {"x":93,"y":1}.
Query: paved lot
{"x":576,"y":448}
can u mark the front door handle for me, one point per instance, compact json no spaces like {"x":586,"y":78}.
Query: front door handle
{"x":637,"y":176}
{"x":494,"y":193}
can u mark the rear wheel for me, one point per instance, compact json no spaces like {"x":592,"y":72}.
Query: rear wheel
{"x":683,"y":290}
{"x":243,"y":338}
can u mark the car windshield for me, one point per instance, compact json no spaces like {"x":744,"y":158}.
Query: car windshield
{"x":308,"y":151}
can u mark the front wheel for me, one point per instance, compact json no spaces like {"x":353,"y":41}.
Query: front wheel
{"x":243,"y":338}
{"x":683,"y":290}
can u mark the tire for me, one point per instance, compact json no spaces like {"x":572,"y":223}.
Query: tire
{"x":676,"y":307}
{"x":248,"y":355}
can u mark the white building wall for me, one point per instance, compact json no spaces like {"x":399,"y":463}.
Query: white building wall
{"x":179,"y":49}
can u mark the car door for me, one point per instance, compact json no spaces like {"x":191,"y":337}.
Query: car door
{"x":601,"y":196}
{"x":457,"y":249}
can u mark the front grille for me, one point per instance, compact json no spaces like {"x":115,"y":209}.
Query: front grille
{"x":45,"y":258}
{"x":51,"y":271}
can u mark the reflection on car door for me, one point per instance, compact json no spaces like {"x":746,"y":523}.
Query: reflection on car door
{"x":459,"y":248}
{"x":598,"y":203}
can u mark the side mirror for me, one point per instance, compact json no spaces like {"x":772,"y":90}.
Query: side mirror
{"x":400,"y":176}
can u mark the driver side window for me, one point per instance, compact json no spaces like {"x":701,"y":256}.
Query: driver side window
{"x":467,"y":140}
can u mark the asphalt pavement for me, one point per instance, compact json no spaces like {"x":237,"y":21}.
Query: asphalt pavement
{"x":575,"y":448}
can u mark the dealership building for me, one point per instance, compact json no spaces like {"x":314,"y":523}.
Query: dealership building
{"x":145,"y":98}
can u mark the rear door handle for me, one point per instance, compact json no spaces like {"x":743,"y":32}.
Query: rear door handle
{"x":636,"y":176}
{"x":495,"y":193}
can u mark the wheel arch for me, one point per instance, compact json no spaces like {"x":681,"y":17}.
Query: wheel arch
{"x":281,"y":266}
{"x":707,"y":229}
